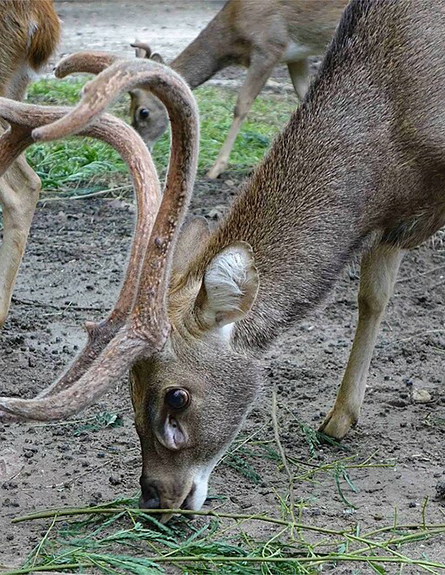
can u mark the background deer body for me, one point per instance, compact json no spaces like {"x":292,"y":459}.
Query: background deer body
{"x":29,"y":32}
{"x":257,"y":35}
{"x":359,"y":169}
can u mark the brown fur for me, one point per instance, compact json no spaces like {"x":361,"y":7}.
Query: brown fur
{"x":359,"y":169}
{"x":29,"y":32}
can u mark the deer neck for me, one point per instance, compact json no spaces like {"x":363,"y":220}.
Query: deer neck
{"x":302,"y":211}
{"x":210,"y":52}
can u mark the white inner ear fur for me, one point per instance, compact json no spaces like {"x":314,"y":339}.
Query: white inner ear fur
{"x":231,"y":285}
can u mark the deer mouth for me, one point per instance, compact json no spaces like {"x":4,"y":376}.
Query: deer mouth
{"x":189,"y":500}
{"x":194,"y":499}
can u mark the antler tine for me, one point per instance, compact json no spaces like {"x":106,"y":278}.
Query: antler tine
{"x":18,"y":137}
{"x":147,"y":328}
{"x":114,"y":361}
{"x":146,"y":183}
{"x":142,"y":46}
{"x":87,"y":62}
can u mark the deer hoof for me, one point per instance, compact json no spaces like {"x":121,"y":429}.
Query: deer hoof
{"x":337,"y":423}
{"x":216,"y":170}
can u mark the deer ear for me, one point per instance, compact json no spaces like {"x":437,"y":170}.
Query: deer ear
{"x":229,"y":287}
{"x":156,"y":57}
{"x":192,"y":236}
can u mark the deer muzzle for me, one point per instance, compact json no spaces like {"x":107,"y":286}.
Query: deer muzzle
{"x":189,"y":494}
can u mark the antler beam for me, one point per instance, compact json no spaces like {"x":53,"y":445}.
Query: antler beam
{"x":84,"y":62}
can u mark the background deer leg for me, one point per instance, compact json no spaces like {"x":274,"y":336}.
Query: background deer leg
{"x":378,"y":275}
{"x":259,"y":71}
{"x":299,"y":74}
{"x":19,"y":192}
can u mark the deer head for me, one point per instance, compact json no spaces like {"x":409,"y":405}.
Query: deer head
{"x":180,"y":407}
{"x":190,"y":390}
{"x":147,"y":112}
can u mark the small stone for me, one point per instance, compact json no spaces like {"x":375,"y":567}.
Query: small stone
{"x":440,"y":490}
{"x":217,"y":212}
{"x":421,"y":396}
{"x":114,"y":480}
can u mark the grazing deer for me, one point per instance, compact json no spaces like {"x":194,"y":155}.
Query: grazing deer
{"x":359,"y":169}
{"x":252,"y":33}
{"x":29,"y":32}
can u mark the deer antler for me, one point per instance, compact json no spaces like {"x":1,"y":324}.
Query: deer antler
{"x":88,"y":62}
{"x":146,"y":183}
{"x":141,"y":46}
{"x":146,"y":328}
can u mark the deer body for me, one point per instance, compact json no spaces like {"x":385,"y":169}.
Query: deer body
{"x":29,"y":32}
{"x":359,"y":169}
{"x":250,"y":33}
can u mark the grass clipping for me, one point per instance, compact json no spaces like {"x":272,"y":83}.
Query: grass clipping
{"x":147,"y":546}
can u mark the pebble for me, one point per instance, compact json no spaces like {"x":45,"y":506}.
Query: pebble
{"x":440,"y":490}
{"x":421,"y":396}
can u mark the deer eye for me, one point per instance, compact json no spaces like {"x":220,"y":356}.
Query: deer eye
{"x":144,"y":113}
{"x":177,"y":398}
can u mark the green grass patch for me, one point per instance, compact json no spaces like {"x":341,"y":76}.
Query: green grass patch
{"x":55,"y":92}
{"x":85,"y":163}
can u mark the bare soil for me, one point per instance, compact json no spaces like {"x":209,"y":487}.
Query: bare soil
{"x":72,"y":271}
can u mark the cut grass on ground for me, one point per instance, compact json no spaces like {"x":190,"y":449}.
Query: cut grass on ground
{"x":119,"y":538}
{"x":83,"y":163}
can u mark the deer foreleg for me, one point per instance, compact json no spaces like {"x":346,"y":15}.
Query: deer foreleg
{"x":259,"y":71}
{"x":19,"y":192}
{"x":378,"y":275}
{"x":299,"y":74}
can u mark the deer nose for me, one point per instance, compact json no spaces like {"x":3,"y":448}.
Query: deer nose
{"x":150,"y":495}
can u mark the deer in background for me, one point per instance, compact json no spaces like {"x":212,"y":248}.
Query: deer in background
{"x":256,"y":34}
{"x":359,"y":169}
{"x":29,"y":33}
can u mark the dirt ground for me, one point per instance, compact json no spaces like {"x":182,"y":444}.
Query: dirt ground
{"x":72,"y":271}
